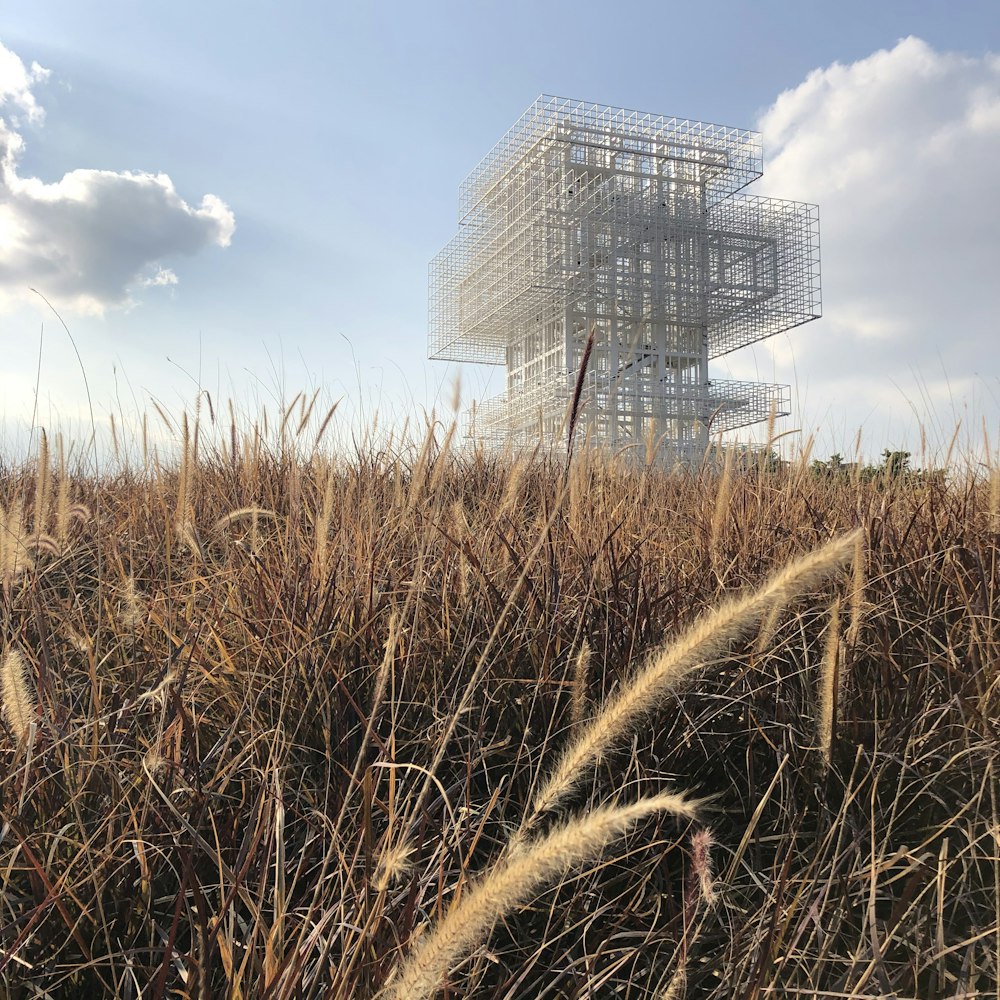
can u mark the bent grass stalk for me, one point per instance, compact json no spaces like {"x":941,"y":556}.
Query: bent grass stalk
{"x":701,"y":643}
{"x":514,"y":880}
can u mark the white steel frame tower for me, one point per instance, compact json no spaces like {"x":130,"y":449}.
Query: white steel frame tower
{"x":590,"y":218}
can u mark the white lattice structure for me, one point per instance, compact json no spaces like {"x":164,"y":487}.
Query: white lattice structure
{"x":585,"y":217}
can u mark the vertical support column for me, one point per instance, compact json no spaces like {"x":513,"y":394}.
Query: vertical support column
{"x":701,"y":437}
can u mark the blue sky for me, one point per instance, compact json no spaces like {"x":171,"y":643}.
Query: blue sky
{"x":332,"y":140}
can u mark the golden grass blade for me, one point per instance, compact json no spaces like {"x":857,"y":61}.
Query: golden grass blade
{"x":704,"y":641}
{"x":514,"y":880}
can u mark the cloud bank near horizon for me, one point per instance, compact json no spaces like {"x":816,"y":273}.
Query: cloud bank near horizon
{"x":900,"y":150}
{"x":93,"y":239}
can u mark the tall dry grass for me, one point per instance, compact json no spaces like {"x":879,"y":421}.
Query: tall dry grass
{"x":279,"y":716}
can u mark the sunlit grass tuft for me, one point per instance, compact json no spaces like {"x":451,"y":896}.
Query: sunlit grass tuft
{"x":416,"y":719}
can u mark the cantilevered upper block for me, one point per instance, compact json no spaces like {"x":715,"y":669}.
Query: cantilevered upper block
{"x":589,"y":218}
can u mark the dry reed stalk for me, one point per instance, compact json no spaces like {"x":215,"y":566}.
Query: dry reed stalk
{"x":18,"y":704}
{"x":512,"y":492}
{"x":701,"y":864}
{"x":420,"y":476}
{"x":650,"y":443}
{"x":581,"y":375}
{"x":133,"y":611}
{"x":66,"y":513}
{"x":17,"y":545}
{"x":581,"y":683}
{"x":699,"y":892}
{"x":293,"y":494}
{"x":805,"y":456}
{"x":43,"y":485}
{"x":115,"y":444}
{"x":181,"y":516}
{"x":235,"y":515}
{"x":767,"y":630}
{"x":772,"y":419}
{"x":62,"y":498}
{"x":701,"y":643}
{"x":859,"y":581}
{"x":324,"y":423}
{"x":321,"y":531}
{"x":995,"y":498}
{"x":514,"y":880}
{"x":828,"y":675}
{"x":15,"y":558}
{"x":381,"y":683}
{"x":441,"y":460}
{"x":723,"y":498}
{"x":306,"y":411}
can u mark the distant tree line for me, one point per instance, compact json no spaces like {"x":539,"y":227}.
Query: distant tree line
{"x":894,"y":465}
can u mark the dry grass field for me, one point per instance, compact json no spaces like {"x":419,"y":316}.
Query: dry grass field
{"x":437,"y":723}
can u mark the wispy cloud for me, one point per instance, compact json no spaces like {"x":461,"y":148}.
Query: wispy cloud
{"x":93,"y":238}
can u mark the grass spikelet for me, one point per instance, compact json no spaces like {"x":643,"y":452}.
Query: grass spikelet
{"x":701,"y":863}
{"x":325,"y":422}
{"x":767,"y":630}
{"x":18,"y":704}
{"x":43,"y":485}
{"x":766,"y":452}
{"x":133,"y":612}
{"x":15,"y":556}
{"x":322,"y":521}
{"x":187,"y":534}
{"x":995,"y":498}
{"x":243,"y":512}
{"x":62,"y":496}
{"x":723,"y":498}
{"x":581,"y":683}
{"x":699,"y":894}
{"x":394,"y":865}
{"x":512,"y":493}
{"x":66,"y":513}
{"x":183,"y":514}
{"x":514,"y":880}
{"x":581,"y":375}
{"x":828,"y":674}
{"x":706,"y":639}
{"x":857,"y":601}
{"x":159,"y":693}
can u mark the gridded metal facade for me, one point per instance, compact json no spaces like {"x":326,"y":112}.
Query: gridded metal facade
{"x":589,"y":218}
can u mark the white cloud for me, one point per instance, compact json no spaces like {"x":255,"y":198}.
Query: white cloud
{"x":162,"y":277}
{"x":87,"y":240}
{"x":16,"y":81}
{"x":901,"y":150}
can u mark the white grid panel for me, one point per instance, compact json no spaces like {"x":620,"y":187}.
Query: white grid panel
{"x":591,"y":218}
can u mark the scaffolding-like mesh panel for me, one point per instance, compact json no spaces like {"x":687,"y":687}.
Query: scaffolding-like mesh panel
{"x":589,"y":219}
{"x":764,"y":271}
{"x":729,"y":158}
{"x":619,"y":414}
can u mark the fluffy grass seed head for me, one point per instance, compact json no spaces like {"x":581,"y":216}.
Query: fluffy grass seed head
{"x":514,"y":879}
{"x":700,"y":644}
{"x":18,"y":703}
